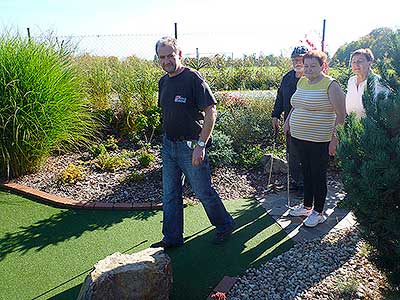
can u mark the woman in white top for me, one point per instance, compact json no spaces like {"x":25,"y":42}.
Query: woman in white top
{"x":361,"y":61}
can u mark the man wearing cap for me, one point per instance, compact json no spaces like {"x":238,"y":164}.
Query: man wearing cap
{"x":189,"y":114}
{"x":282,"y":104}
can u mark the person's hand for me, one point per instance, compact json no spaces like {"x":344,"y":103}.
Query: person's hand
{"x":332,"y":146}
{"x":286,"y":127}
{"x":198,"y":155}
{"x":275,"y":124}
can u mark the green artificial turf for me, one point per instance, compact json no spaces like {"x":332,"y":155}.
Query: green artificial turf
{"x":46,"y":252}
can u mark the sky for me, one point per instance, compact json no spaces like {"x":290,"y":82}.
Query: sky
{"x":234,"y":28}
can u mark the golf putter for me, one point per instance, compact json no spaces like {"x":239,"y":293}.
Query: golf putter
{"x":271,"y":187}
{"x":288,"y":205}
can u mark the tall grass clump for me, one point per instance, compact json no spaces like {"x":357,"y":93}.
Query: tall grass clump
{"x":42,"y":105}
{"x":136,"y":83}
{"x":97,"y":72}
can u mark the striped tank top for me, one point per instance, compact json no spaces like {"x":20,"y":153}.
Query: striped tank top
{"x":313,"y":117}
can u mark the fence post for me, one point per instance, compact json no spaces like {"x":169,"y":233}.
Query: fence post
{"x":323,"y":37}
{"x":176,"y":30}
{"x":29,"y":33}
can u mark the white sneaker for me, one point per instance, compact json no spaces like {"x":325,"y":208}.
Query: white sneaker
{"x":314,"y":219}
{"x":300,"y":211}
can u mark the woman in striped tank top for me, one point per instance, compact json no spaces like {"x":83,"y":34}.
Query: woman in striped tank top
{"x":318,"y":105}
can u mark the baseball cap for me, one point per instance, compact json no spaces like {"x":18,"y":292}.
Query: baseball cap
{"x":299,"y":51}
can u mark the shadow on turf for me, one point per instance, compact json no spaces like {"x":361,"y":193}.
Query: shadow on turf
{"x":199,"y":265}
{"x":62,"y":226}
{"x":74,"y":291}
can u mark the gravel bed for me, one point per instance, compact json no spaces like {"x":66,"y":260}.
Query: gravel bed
{"x":115,"y":187}
{"x":334,"y":267}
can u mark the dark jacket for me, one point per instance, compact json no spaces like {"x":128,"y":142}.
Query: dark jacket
{"x":285,"y":92}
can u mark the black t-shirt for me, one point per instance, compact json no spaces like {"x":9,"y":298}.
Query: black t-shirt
{"x":183,"y":98}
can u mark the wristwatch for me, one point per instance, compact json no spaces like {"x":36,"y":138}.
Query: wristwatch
{"x":201,"y":144}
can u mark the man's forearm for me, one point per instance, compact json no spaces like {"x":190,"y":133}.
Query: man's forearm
{"x":209,"y":122}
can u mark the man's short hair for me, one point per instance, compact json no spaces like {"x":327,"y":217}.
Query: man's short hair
{"x":364,"y":51}
{"x":168,"y":41}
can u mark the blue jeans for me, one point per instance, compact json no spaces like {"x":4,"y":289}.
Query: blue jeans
{"x":177,"y":164}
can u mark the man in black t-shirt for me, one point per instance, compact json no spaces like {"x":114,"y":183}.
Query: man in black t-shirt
{"x":189,"y":114}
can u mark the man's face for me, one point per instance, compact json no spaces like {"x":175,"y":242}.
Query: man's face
{"x":297,"y":62}
{"x":169,"y":60}
{"x":360,"y":65}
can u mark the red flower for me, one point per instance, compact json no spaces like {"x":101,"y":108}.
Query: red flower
{"x":218,"y":296}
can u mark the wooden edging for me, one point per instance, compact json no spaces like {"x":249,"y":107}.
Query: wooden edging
{"x":223,"y":286}
{"x":69,"y":203}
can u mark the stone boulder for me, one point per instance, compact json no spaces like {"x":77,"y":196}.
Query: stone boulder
{"x":278,"y":165}
{"x":146,"y":275}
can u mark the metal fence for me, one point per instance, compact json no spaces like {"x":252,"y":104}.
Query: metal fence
{"x":212,"y":54}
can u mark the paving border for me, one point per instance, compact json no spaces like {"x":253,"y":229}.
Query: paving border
{"x":70,"y":203}
{"x":223,"y":286}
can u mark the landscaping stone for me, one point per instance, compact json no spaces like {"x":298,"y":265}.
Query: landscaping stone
{"x":143,"y":275}
{"x":279,"y":166}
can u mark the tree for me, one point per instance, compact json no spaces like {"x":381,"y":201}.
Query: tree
{"x":378,"y":40}
{"x":369,"y":152}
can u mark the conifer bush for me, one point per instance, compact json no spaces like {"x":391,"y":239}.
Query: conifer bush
{"x":42,"y":105}
{"x":369,"y":152}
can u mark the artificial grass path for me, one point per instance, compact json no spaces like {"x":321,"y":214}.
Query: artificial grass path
{"x":46,"y":252}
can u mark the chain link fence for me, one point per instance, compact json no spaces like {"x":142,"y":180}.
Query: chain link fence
{"x":211,"y":54}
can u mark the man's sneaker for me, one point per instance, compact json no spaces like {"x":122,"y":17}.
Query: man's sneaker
{"x":314,"y":219}
{"x":222,"y":237}
{"x":163,"y":244}
{"x":300,"y":211}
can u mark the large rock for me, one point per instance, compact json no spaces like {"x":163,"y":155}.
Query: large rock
{"x":146,"y":275}
{"x":278,"y":165}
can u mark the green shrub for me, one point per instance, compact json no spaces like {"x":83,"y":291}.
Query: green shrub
{"x":247,"y":123}
{"x":111,"y":144}
{"x":279,"y":151}
{"x":221,"y":152}
{"x":71,"y":174}
{"x":369,"y":151}
{"x":145,"y":158}
{"x":127,"y":153}
{"x":243,"y":77}
{"x":97,"y":150}
{"x":42,"y":104}
{"x":134,"y":176}
{"x":108,"y":163}
{"x":341,"y":74}
{"x":347,"y":289}
{"x":250,"y":157}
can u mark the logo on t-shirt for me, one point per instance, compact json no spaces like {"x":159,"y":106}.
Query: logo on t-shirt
{"x":180,"y":99}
